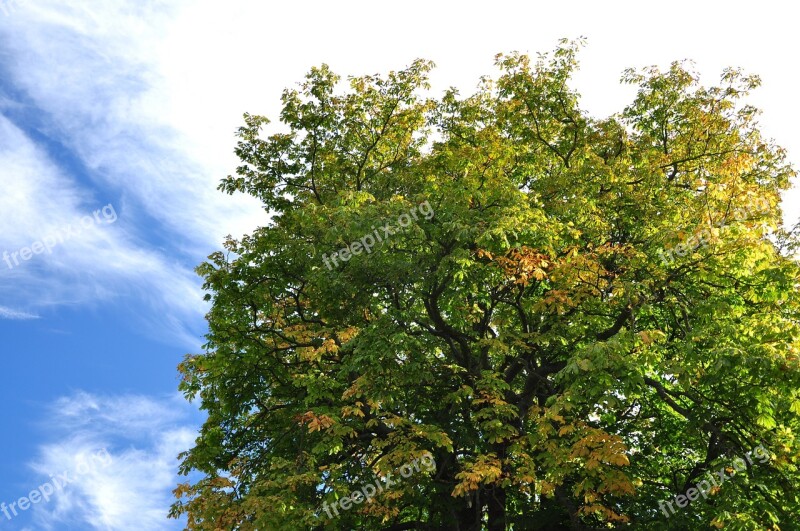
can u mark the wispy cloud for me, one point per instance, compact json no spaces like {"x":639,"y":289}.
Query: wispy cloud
{"x":8,"y":313}
{"x":82,"y":124}
{"x":97,"y":265}
{"x":94,"y":71}
{"x":132,"y":490}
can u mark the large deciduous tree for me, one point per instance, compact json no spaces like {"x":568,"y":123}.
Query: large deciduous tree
{"x":591,"y":317}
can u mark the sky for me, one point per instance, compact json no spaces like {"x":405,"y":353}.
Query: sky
{"x":117,"y":122}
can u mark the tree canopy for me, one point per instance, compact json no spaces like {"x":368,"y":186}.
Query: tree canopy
{"x":576,"y":319}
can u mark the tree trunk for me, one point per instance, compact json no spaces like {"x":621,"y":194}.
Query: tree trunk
{"x":496,"y":502}
{"x":467,"y":520}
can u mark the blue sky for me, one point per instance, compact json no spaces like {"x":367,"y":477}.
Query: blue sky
{"x":123,"y":114}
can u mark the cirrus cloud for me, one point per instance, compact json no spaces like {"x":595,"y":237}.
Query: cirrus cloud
{"x":132,"y":489}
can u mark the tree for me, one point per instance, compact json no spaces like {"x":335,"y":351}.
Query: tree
{"x":578,"y":318}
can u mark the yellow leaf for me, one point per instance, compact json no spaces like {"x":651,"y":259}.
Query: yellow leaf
{"x":565,"y":430}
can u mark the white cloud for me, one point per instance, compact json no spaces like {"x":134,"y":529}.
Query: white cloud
{"x":95,"y":262}
{"x":85,"y":123}
{"x":8,"y":313}
{"x":93,"y":69}
{"x":120,"y":456}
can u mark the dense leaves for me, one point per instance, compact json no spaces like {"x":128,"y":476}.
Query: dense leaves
{"x":579,"y":318}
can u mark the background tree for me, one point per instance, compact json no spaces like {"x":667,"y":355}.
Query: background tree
{"x":598,"y":313}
